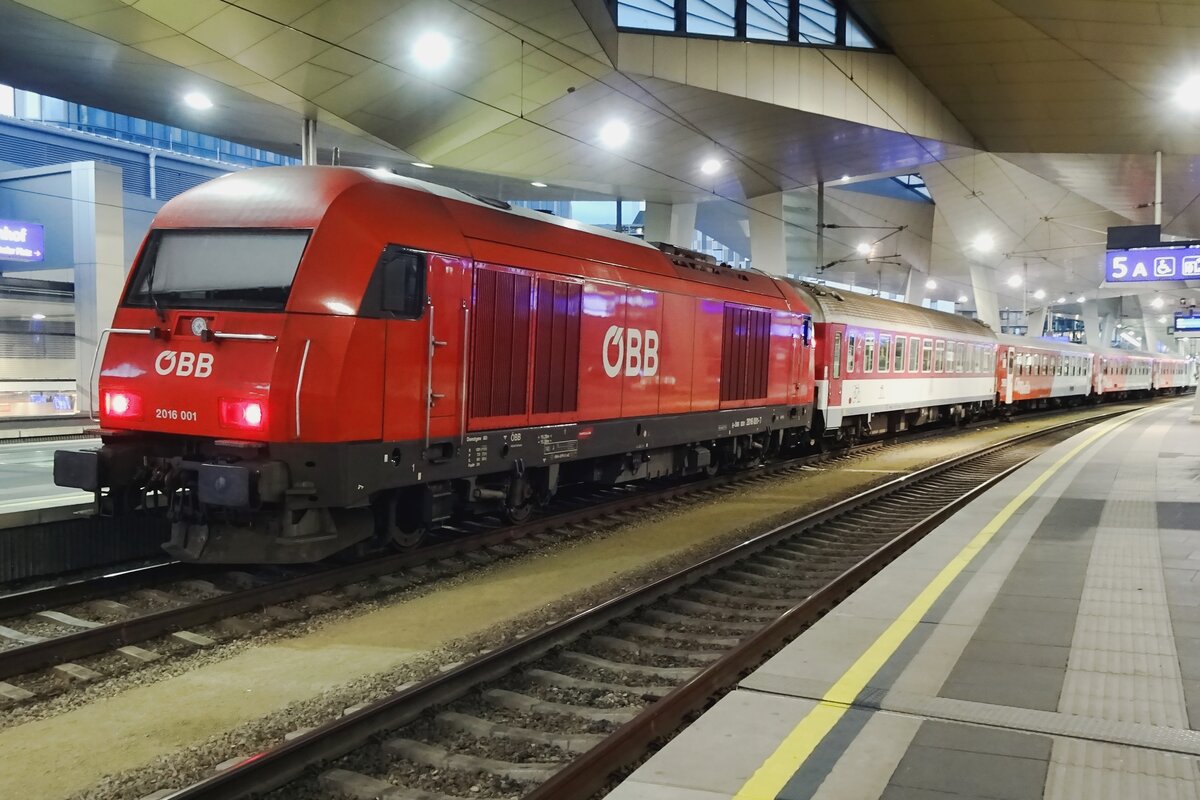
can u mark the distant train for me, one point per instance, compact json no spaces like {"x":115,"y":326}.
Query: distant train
{"x":308,"y":358}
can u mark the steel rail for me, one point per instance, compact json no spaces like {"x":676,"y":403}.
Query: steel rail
{"x":277,"y":766}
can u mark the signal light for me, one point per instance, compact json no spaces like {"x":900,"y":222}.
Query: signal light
{"x":245,"y":414}
{"x":123,"y":405}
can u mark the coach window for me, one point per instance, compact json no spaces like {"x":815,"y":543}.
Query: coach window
{"x":949,"y":356}
{"x":926,"y":355}
{"x":914,"y":351}
{"x":885,"y":352}
{"x":899,"y":365}
{"x":869,"y":352}
{"x":851,"y":345}
{"x":939,"y":356}
{"x":401,"y":274}
{"x":960,"y":355}
{"x":837,"y":355}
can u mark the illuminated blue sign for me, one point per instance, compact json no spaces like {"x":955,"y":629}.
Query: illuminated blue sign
{"x":1152,"y":264}
{"x":21,"y":241}
{"x":1186,"y":323}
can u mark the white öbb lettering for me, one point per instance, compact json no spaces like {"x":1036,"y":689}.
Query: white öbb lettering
{"x":630,"y":350}
{"x":184,"y":364}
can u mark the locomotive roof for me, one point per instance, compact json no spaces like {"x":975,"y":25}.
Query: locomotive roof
{"x":829,"y":305}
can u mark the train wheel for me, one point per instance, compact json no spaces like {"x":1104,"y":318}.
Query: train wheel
{"x":403,"y":540}
{"x":518,"y":514}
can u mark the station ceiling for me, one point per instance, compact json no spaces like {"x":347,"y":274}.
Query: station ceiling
{"x":1040,"y":117}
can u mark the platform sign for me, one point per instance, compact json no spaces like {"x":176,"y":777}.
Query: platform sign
{"x":21,"y":241}
{"x":1152,"y":264}
{"x":1186,"y":323}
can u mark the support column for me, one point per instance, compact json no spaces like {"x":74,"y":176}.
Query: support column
{"x":673,"y":223}
{"x":987,"y":304}
{"x":1035,"y":320}
{"x":1150,"y":324}
{"x":98,"y":236}
{"x":768,"y":234}
{"x":308,"y":143}
{"x":914,"y":287}
{"x":1091,"y":322}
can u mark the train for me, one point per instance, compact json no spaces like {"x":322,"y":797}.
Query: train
{"x":311,"y":360}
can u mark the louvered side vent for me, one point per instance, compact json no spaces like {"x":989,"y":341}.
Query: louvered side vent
{"x":556,"y":347}
{"x":744,"y":353}
{"x":500,"y":351}
{"x":34,"y":152}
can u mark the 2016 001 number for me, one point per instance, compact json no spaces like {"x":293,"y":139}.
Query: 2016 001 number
{"x":174,"y":413}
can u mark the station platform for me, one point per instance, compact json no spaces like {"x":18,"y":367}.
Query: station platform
{"x":28,"y":495}
{"x":1042,"y":643}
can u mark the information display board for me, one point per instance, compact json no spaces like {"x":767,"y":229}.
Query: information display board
{"x":21,"y":241}
{"x":1152,"y":264}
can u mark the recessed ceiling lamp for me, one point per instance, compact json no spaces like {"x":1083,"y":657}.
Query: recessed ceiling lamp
{"x":1040,"y":294}
{"x":431,"y":50}
{"x":863,"y":248}
{"x":984,"y":243}
{"x":931,"y":284}
{"x":1015,"y":281}
{"x":383,"y":171}
{"x":422,"y":165}
{"x":962,"y":298}
{"x":614,"y":133}
{"x":710,"y":166}
{"x":538,"y":184}
{"x":37,"y":316}
{"x":1161,"y":320}
{"x":1081,"y":298}
{"x":845,"y":177}
{"x":1157,"y":302}
{"x":198,"y":101}
{"x":1188,"y":94}
{"x":1061,"y":300}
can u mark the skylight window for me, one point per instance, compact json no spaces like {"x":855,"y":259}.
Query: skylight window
{"x":825,"y":23}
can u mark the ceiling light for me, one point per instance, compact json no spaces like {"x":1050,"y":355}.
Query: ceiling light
{"x":1081,"y":298}
{"x":984,"y":242}
{"x":1014,"y":281}
{"x":863,"y":248}
{"x":931,"y":284}
{"x":1188,"y":94}
{"x":710,"y":166}
{"x":198,"y":101}
{"x":1162,"y":320}
{"x":1061,"y":300}
{"x":431,"y":50}
{"x":538,"y":184}
{"x":1040,"y":294}
{"x":422,"y":165}
{"x":1157,"y":302}
{"x":962,"y":298}
{"x":614,"y":133}
{"x":383,"y":171}
{"x":845,"y":177}
{"x":37,"y":316}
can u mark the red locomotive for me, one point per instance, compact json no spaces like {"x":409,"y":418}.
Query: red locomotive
{"x":305,"y":358}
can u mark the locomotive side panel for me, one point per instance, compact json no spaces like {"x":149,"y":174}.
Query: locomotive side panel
{"x":677,"y":354}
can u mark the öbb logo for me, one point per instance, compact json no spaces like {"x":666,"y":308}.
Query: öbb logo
{"x":184,"y":364}
{"x":633,"y":350}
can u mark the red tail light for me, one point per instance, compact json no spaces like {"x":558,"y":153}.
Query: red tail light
{"x":248,"y":415}
{"x":122,"y":405}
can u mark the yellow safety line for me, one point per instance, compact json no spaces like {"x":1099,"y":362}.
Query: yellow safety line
{"x":770,"y":778}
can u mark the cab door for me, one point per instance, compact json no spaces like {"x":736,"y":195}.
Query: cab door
{"x":834,"y":364}
{"x":421,"y":298}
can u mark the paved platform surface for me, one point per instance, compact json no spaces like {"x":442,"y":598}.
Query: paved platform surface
{"x":27,"y":476}
{"x":1042,"y":643}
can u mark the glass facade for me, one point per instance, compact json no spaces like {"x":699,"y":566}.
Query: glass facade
{"x":827,"y":23}
{"x":34,"y":107}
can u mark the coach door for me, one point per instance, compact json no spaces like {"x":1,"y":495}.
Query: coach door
{"x":835,"y":364}
{"x":1010,"y":359}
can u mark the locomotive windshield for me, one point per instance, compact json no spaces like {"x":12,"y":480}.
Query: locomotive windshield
{"x":229,"y":268}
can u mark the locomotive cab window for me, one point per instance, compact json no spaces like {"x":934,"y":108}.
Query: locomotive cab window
{"x":401,"y":282}
{"x":235,"y":268}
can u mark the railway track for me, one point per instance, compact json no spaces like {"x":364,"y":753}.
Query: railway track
{"x":182,"y":608}
{"x":558,"y":713}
